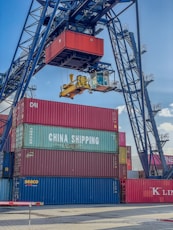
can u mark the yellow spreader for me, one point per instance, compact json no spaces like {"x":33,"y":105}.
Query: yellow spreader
{"x":75,"y":86}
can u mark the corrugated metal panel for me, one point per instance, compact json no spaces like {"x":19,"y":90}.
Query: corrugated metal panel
{"x":122,"y":171}
{"x":84,"y":43}
{"x":59,"y":138}
{"x":7,"y":145}
{"x":15,"y":109}
{"x":3,"y":118}
{"x":122,"y":139}
{"x":155,"y":160}
{"x":148,"y":191}
{"x":4,"y":189}
{"x":169,"y":159}
{"x":129,"y":158}
{"x":13,"y":139}
{"x":8,"y":164}
{"x":34,"y":162}
{"x":1,"y":163}
{"x":69,"y":190}
{"x":69,"y":40}
{"x":129,"y":149}
{"x":122,"y":155}
{"x":34,"y":111}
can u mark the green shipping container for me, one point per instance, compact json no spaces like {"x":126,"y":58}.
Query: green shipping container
{"x":60,"y":138}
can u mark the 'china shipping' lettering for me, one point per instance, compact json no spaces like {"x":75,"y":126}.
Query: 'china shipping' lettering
{"x":75,"y":139}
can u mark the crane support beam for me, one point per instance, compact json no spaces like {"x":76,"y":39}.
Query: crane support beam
{"x":31,"y":61}
{"x":136,"y":96}
{"x":79,"y":16}
{"x":45,"y":21}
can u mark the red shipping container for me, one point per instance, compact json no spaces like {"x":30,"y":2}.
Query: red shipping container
{"x":3,"y":118}
{"x":155,"y":160}
{"x":34,"y":111}
{"x":122,"y":171}
{"x":122,"y":139}
{"x":69,"y":42}
{"x":148,"y":191}
{"x":7,"y":144}
{"x":129,"y":158}
{"x":13,"y":139}
{"x":122,"y":190}
{"x":15,"y":114}
{"x":34,"y":162}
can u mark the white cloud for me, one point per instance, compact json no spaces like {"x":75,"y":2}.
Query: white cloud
{"x":168,"y":127}
{"x":121,"y":109}
{"x":169,"y":151}
{"x":120,"y":127}
{"x":5,"y":106}
{"x":167,"y":112}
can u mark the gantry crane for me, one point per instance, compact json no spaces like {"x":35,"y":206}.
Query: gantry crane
{"x":48,"y":19}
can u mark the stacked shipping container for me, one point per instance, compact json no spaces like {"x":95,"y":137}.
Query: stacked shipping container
{"x":68,"y":146}
{"x":69,"y":190}
{"x":156,"y":161}
{"x":129,"y":158}
{"x":122,"y":156}
{"x":6,"y":164}
{"x":3,"y":119}
{"x":125,"y":156}
{"x":60,"y":138}
{"x":5,"y":188}
{"x":33,"y":111}
{"x":147,"y":191}
{"x":37,"y":162}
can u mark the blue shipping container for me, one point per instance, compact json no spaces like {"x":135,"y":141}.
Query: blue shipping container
{"x":65,"y":190}
{"x":5,"y":187}
{"x":8,"y":165}
{"x":1,"y":163}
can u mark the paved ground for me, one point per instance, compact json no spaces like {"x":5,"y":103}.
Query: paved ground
{"x":88,"y":217}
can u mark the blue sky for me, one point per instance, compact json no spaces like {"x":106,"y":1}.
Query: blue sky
{"x":156,"y":24}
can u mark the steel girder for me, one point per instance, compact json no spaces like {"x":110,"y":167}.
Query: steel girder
{"x":45,"y":20}
{"x":136,"y":96}
{"x":30,"y":47}
{"x":81,"y":16}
